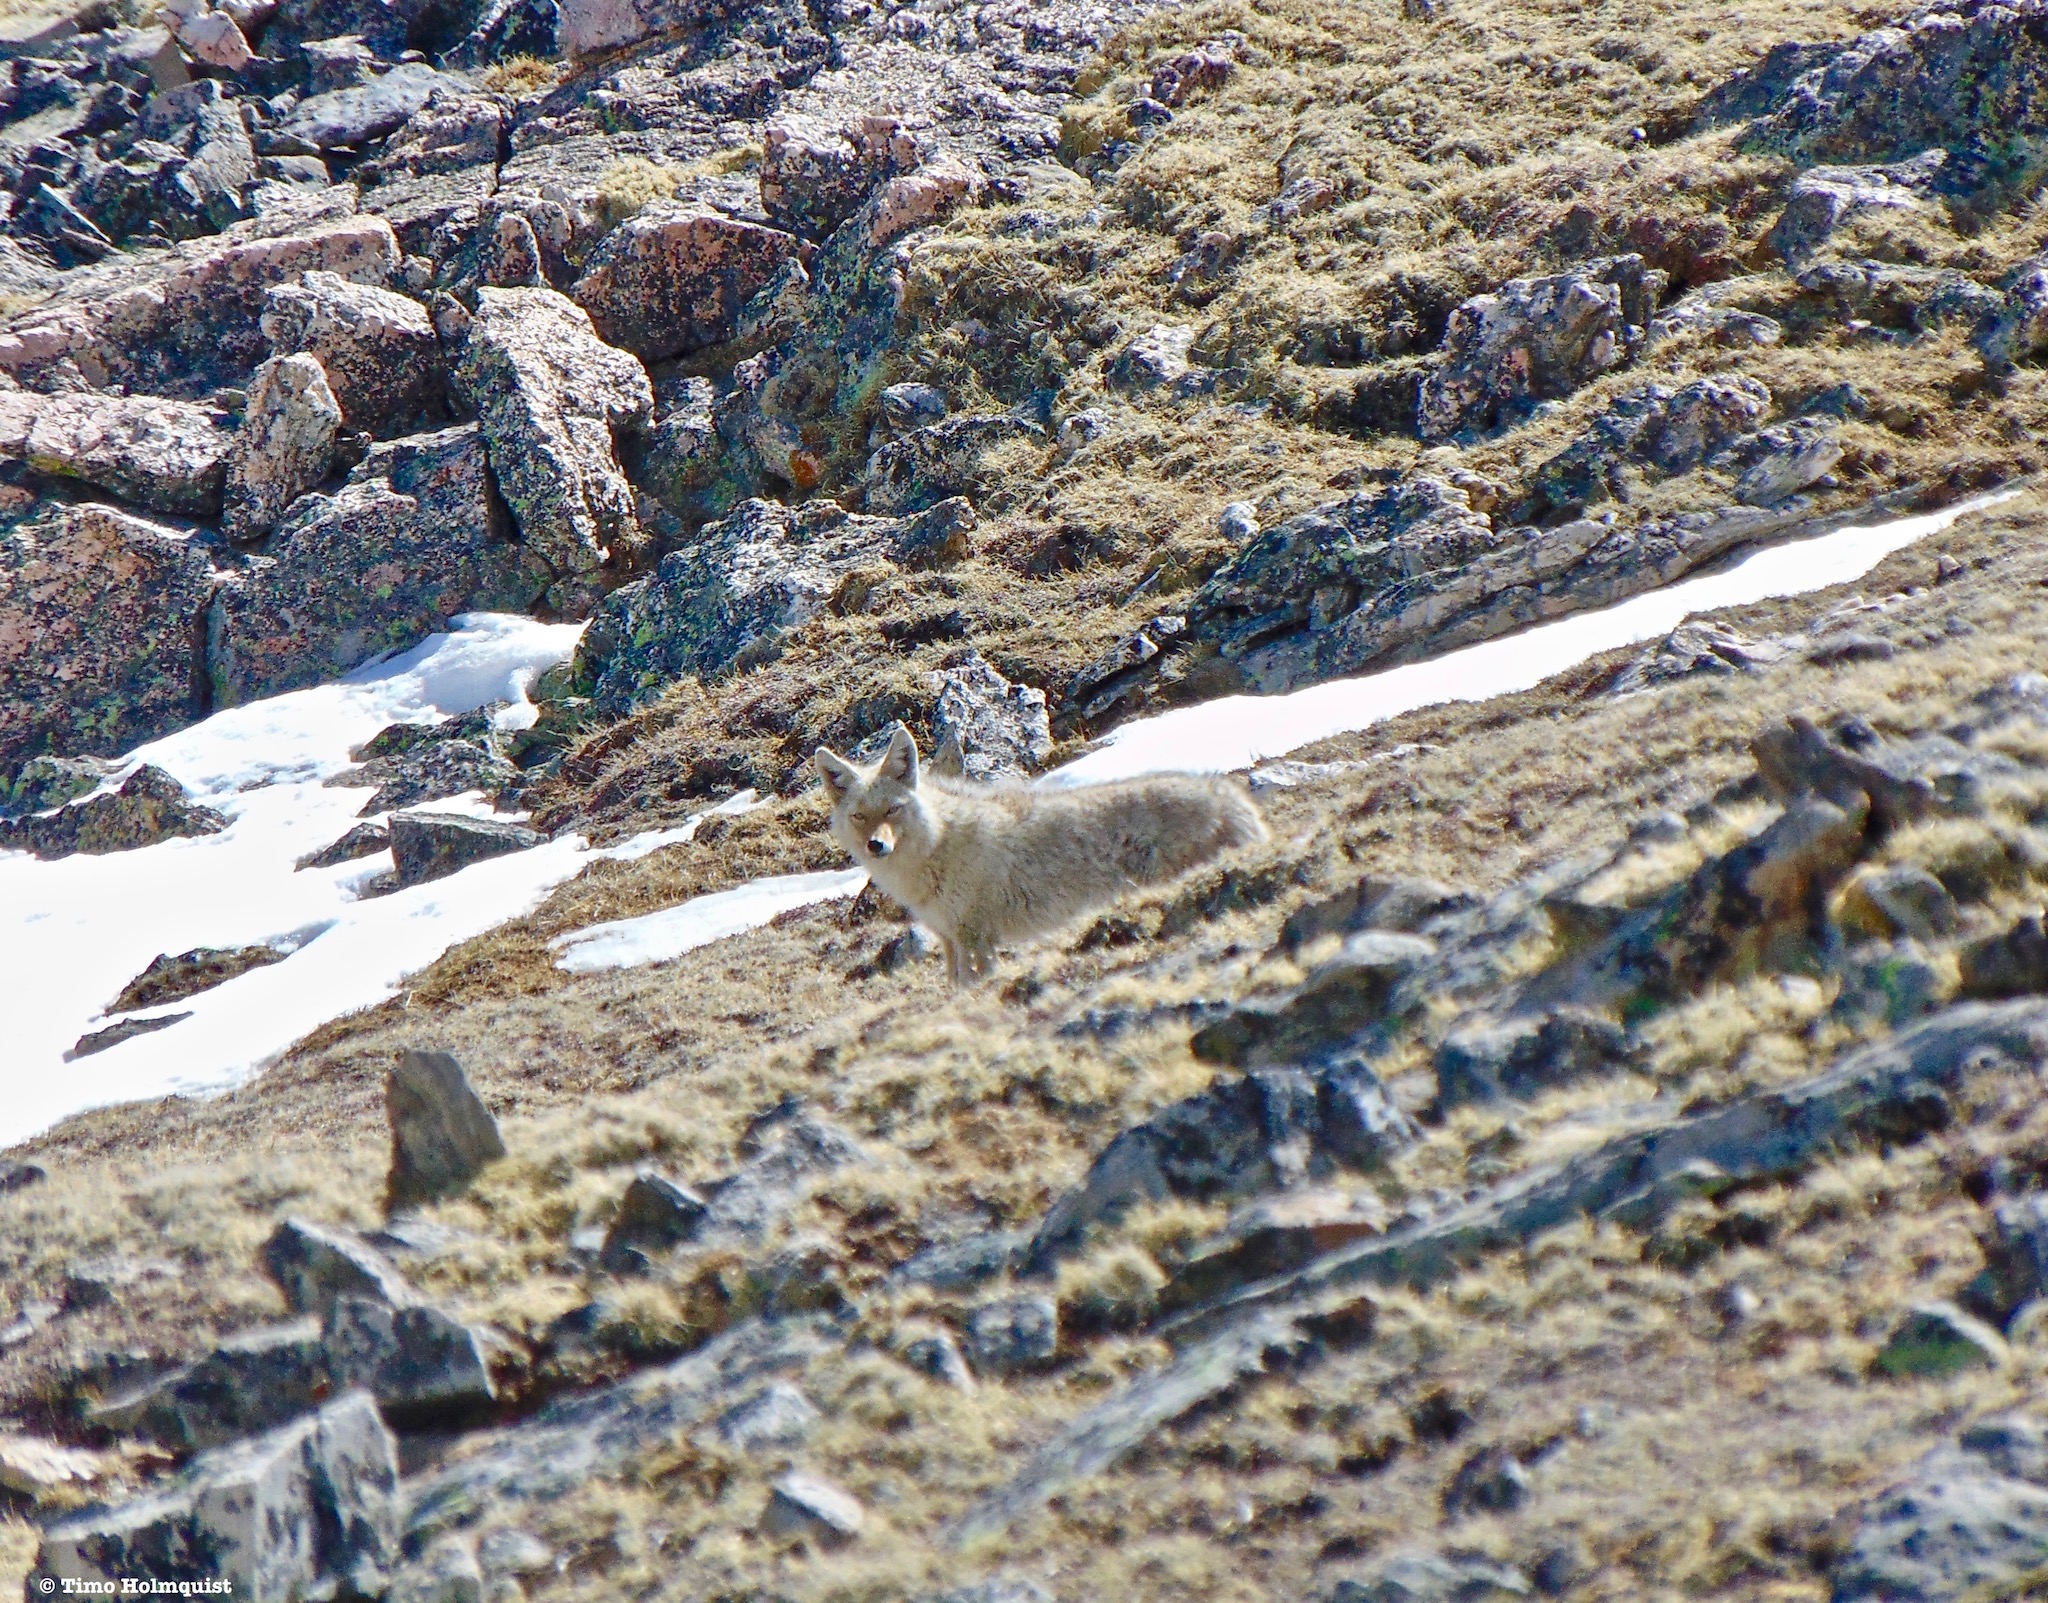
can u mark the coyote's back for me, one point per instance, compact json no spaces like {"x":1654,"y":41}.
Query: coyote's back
{"x":982,"y":866}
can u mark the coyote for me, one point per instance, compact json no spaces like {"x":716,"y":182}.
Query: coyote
{"x":982,"y":864}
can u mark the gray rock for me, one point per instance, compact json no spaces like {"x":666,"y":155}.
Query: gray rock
{"x":1109,"y":678}
{"x":586,"y":27}
{"x":2019,"y":329}
{"x":2011,"y":963}
{"x":971,"y":1261}
{"x":314,"y":1265}
{"x":364,"y":840}
{"x":1271,"y":1237}
{"x":421,"y":1364}
{"x":548,"y":393}
{"x":930,"y":464}
{"x":305,"y":1511}
{"x":285,"y":446}
{"x":1484,"y":1059}
{"x":1967,"y":81}
{"x":985,"y":728}
{"x":656,"y":1213}
{"x":1267,"y":1130}
{"x":1533,"y":340}
{"x":1903,"y":901}
{"x":377,"y":348}
{"x":911,"y":406}
{"x":447,"y":1571}
{"x":413,"y":537}
{"x":937,"y":537}
{"x":430,"y":846}
{"x":2015,"y":1260}
{"x":45,"y":782}
{"x":779,"y":1415}
{"x":1156,"y":357}
{"x":113,"y":1035}
{"x":99,"y":625}
{"x":149,"y":807}
{"x":678,"y":460}
{"x":168,"y":456}
{"x":1013,"y":1336}
{"x":1920,"y":300}
{"x":442,"y":1135}
{"x":1490,"y":1481}
{"x":170,"y":978}
{"x":1402,"y":903}
{"x":814,"y":176}
{"x":671,"y":281}
{"x":1696,"y":648}
{"x":1823,"y":199}
{"x":1424,"y":1577}
{"x":1785,"y":459}
{"x":1971,"y":1517}
{"x":250,"y":1382}
{"x":725,"y":602}
{"x":512,"y":1473}
{"x":188,"y":174}
{"x":1344,"y":997}
{"x":811,"y":1507}
{"x":1939,"y":1339}
{"x":785,"y":1163}
{"x":937,"y":1354}
{"x":1656,"y":429}
{"x":18,"y":1176}
{"x":350,"y":118}
{"x":433,"y":771}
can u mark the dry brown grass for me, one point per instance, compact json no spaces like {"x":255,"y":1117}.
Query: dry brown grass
{"x":1703,"y":1463}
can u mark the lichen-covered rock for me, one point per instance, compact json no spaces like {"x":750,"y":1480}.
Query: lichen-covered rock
{"x":414,"y":537}
{"x":315,"y":1265}
{"x":1656,"y":428}
{"x":420,"y":1363}
{"x":377,"y":347}
{"x":430,"y":846}
{"x":149,"y":807}
{"x":306,"y":1511}
{"x":1823,"y":199}
{"x":986,"y":728}
{"x":814,"y":177}
{"x":250,"y":1381}
{"x":1971,"y":1517}
{"x":585,"y":27}
{"x":1157,"y":356}
{"x":548,"y":393}
{"x":200,"y":327}
{"x":189,"y":173}
{"x":45,"y":782}
{"x":671,"y":281}
{"x":2019,"y":329}
{"x":938,"y":461}
{"x":1780,"y":461}
{"x":348,"y":119}
{"x":285,"y":447}
{"x":1535,"y":339}
{"x":102,"y":618}
{"x":1970,"y":78}
{"x":1283,"y":605}
{"x":169,"y":456}
{"x":432,"y":771}
{"x":726,"y":601}
{"x":679,"y":460}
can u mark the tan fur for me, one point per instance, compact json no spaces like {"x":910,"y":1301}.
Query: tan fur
{"x":983,"y":865}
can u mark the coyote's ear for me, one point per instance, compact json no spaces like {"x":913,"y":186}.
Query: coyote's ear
{"x":836,"y":771}
{"x":899,"y":762}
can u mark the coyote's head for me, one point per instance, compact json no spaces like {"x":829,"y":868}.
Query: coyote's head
{"x":878,"y":812}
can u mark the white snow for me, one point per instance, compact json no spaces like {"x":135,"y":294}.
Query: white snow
{"x":74,"y":931}
{"x":1237,"y":731}
{"x":657,"y":937}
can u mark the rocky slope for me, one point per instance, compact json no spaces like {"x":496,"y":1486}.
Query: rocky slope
{"x":1592,"y":1151}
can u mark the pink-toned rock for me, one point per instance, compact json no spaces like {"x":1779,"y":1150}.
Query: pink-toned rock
{"x":378,"y":347}
{"x":165,"y":455}
{"x":213,"y":37}
{"x":814,"y":177}
{"x":586,"y":27}
{"x":922,"y":197}
{"x":199,"y":327}
{"x":102,"y":616}
{"x":669,"y":282}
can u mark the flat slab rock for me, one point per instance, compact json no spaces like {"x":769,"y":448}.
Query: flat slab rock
{"x":429,"y":846}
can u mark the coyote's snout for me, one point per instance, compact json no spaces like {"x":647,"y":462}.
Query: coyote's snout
{"x":985,"y":864}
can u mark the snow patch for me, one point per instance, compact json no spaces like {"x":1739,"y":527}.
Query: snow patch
{"x":1235,"y":732}
{"x":657,"y":937}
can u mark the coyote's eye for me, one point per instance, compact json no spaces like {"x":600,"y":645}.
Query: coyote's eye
{"x":895,"y":811}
